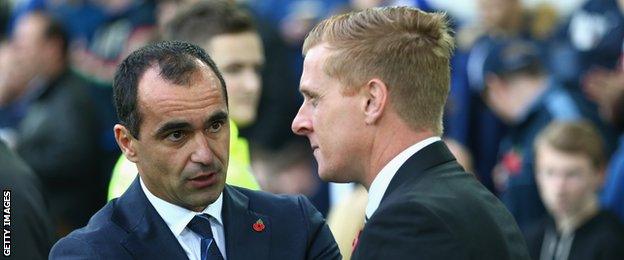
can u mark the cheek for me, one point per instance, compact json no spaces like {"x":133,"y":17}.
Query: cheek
{"x":221,"y":146}
{"x":547,"y":188}
{"x":169,"y":162}
{"x":233,"y":83}
{"x":580,"y":188}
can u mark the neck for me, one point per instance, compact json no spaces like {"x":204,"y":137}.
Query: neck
{"x":569,"y":223}
{"x":388,"y":143}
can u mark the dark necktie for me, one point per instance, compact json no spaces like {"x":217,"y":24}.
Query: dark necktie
{"x":200,"y":224}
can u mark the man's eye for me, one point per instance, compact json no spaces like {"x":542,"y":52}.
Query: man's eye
{"x":314,"y":102}
{"x":175,"y":136}
{"x":215,"y":127}
{"x":233,"y":69}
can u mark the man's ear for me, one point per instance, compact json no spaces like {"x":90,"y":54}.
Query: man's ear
{"x":126,"y":142}
{"x":376,"y":94}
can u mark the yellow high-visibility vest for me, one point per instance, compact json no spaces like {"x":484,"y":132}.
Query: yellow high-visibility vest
{"x":238,"y":173}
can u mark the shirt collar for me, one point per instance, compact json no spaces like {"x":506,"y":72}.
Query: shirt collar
{"x":178,"y":217}
{"x":382,"y":180}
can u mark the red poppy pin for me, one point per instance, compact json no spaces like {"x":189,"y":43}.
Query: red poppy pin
{"x":258,"y":226}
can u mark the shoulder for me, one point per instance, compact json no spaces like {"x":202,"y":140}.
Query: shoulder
{"x":607,"y":225}
{"x":422,"y":232}
{"x":100,"y":234}
{"x":448,"y":210}
{"x":602,"y":237}
{"x":410,"y":213}
{"x":300,"y":228}
{"x":72,"y":246}
{"x":274,"y":204}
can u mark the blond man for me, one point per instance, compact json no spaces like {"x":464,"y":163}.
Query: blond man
{"x":375,"y":83}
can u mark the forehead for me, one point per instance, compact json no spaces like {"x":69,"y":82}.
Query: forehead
{"x":548,"y":156}
{"x":156,"y":93}
{"x":29,"y":26}
{"x":235,"y":47}
{"x":313,"y":68}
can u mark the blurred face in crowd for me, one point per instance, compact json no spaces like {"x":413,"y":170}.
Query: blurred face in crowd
{"x":511,"y":97}
{"x":495,"y":13}
{"x":182,"y":152}
{"x":363,"y":4}
{"x":167,"y":9}
{"x":29,"y":43}
{"x":567,"y":182}
{"x":331,"y":119}
{"x":240,"y":58}
{"x":13,"y":79}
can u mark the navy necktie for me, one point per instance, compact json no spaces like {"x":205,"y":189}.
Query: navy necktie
{"x":200,"y":224}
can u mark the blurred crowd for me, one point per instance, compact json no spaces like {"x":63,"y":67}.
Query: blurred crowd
{"x":515,"y":71}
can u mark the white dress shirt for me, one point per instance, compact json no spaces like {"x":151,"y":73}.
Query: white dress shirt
{"x":383,"y":178}
{"x":177,"y":218}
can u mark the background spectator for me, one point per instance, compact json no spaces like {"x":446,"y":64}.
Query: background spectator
{"x":31,"y":228}
{"x":569,"y":170}
{"x":520,"y":92}
{"x":57,"y":136}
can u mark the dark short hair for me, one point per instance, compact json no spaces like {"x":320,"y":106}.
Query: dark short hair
{"x":200,"y":22}
{"x":55,"y":30}
{"x":515,"y":57}
{"x":176,"y":61}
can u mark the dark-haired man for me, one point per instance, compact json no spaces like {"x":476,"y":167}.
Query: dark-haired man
{"x":227,"y":33}
{"x":57,"y":137}
{"x":172,"y":103}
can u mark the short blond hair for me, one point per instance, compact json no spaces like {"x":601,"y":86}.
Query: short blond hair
{"x":574,"y":137}
{"x":406,"y":48}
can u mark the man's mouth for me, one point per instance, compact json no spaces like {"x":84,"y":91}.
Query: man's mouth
{"x":204,"y":180}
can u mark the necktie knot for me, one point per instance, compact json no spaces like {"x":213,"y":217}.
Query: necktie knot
{"x":200,"y":224}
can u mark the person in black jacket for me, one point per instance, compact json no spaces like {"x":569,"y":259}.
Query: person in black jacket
{"x":374,"y":84}
{"x":30,"y":228}
{"x":569,"y":165}
{"x":58,"y":136}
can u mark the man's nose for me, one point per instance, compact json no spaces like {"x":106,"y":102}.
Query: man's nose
{"x":202,"y":153}
{"x":302,"y":125}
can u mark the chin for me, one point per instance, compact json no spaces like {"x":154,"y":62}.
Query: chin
{"x":206,"y":198}
{"x":333,"y":177}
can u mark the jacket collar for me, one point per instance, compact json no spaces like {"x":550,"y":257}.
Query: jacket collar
{"x":430,"y":156}
{"x":149,"y":237}
{"x":148,"y":234}
{"x":247,"y":233}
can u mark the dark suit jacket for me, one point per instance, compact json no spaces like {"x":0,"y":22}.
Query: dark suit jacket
{"x":58,"y":140}
{"x":130,"y":227}
{"x":31,"y":228}
{"x":432,"y":209}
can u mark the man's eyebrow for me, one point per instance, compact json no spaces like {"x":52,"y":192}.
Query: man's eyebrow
{"x":216,"y":116}
{"x":171,"y":126}
{"x":307,"y":93}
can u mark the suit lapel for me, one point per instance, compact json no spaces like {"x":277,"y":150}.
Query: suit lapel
{"x":149,"y":237}
{"x":430,"y":156}
{"x":242,"y":241}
